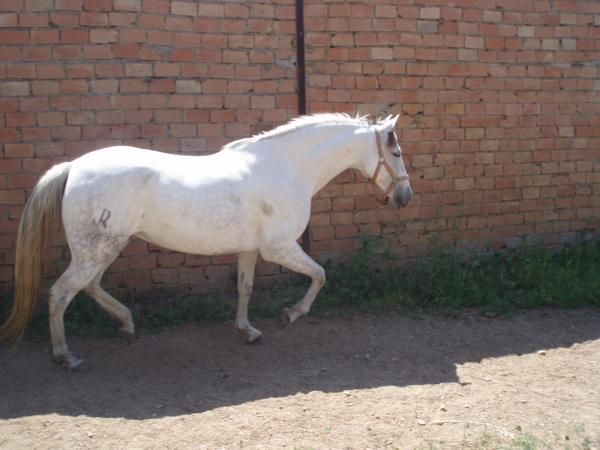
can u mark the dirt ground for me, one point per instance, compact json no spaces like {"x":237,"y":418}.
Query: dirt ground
{"x":324,"y":382}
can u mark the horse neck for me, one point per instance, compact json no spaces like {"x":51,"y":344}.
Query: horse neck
{"x":322,"y":153}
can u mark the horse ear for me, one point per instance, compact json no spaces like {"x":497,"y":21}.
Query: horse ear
{"x":389,"y":123}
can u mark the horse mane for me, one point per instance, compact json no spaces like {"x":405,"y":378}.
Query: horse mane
{"x":302,"y":122}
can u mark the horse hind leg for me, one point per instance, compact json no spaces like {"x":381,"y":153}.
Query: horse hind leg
{"x":75,"y":278}
{"x":89,"y":260}
{"x":112,"y":306}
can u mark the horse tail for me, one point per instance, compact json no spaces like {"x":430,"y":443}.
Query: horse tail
{"x":41,"y":218}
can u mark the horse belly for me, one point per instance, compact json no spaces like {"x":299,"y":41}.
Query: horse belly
{"x":199,"y":231}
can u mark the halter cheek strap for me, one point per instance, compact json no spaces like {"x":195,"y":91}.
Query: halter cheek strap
{"x":383,"y":163}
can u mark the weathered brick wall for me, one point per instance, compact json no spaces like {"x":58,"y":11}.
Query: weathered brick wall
{"x":500,"y":116}
{"x":499,"y":103}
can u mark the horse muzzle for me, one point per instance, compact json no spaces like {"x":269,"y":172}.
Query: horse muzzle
{"x":402,"y":195}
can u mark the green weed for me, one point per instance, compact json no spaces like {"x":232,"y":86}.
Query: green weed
{"x":445,"y":277}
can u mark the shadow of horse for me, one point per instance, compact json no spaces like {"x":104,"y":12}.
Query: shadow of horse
{"x":201,"y":367}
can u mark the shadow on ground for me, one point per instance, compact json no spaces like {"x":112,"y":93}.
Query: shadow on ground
{"x":202,"y":367}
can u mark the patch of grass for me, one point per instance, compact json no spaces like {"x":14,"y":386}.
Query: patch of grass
{"x":445,"y":277}
{"x":524,"y":278}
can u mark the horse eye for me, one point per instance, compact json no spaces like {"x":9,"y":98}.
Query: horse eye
{"x":391,"y":142}
{"x":391,"y":139}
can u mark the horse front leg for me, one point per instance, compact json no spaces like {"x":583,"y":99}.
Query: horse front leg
{"x":246,"y":265}
{"x":292,"y":256}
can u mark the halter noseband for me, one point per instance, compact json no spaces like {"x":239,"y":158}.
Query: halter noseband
{"x":383,"y":163}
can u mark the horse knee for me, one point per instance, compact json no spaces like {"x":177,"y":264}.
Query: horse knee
{"x":245,"y":289}
{"x":320,"y":277}
{"x":57,"y":304}
{"x":93,"y":290}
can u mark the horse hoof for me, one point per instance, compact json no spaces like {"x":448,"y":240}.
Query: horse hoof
{"x":128,"y":336}
{"x":253,"y":336}
{"x":284,"y":318}
{"x":69,"y":361}
{"x":250,"y":335}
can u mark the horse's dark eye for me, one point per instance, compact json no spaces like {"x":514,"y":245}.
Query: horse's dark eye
{"x":391,"y":142}
{"x":391,"y":139}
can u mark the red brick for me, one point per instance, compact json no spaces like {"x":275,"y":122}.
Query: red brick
{"x":167,"y":69}
{"x":20,"y":71}
{"x":50,"y":119}
{"x":109,"y":70}
{"x":179,"y":23}
{"x":69,"y":4}
{"x":127,"y":5}
{"x":66,"y":52}
{"x":181,"y":54}
{"x":66,"y":133}
{"x":127,"y":51}
{"x":20,"y":119}
{"x":14,"y":88}
{"x":73,"y":86}
{"x":14,"y":37}
{"x":125,"y":131}
{"x":94,"y":103}
{"x":74,"y":36}
{"x":36,"y":53}
{"x":81,"y":118}
{"x":64,"y":19}
{"x":19,"y":151}
{"x":10,"y":54}
{"x":97,"y":52}
{"x":132,"y":35}
{"x":429,"y":13}
{"x":38,"y":5}
{"x":33,"y":20}
{"x":237,"y":10}
{"x":162,"y":85}
{"x":9,"y":135}
{"x":8,"y":20}
{"x":184,"y":8}
{"x":121,"y":19}
{"x":104,"y":86}
{"x":97,"y":5}
{"x":138,"y":117}
{"x":102,"y":36}
{"x":12,"y":197}
{"x":124,"y":102}
{"x":156,"y":6}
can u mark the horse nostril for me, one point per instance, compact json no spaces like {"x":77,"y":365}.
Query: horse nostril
{"x":403,"y":196}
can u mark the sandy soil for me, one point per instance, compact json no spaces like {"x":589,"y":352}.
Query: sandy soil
{"x":349,"y":382}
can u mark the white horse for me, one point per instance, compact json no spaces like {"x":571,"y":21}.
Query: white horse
{"x":252,"y":196}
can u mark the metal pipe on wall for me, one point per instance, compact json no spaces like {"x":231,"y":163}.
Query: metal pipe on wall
{"x":301,"y":80}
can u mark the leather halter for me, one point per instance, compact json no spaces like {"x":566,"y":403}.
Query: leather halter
{"x":383,"y":163}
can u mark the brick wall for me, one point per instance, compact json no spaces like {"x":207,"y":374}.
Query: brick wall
{"x":500,"y":116}
{"x":499,"y":103}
